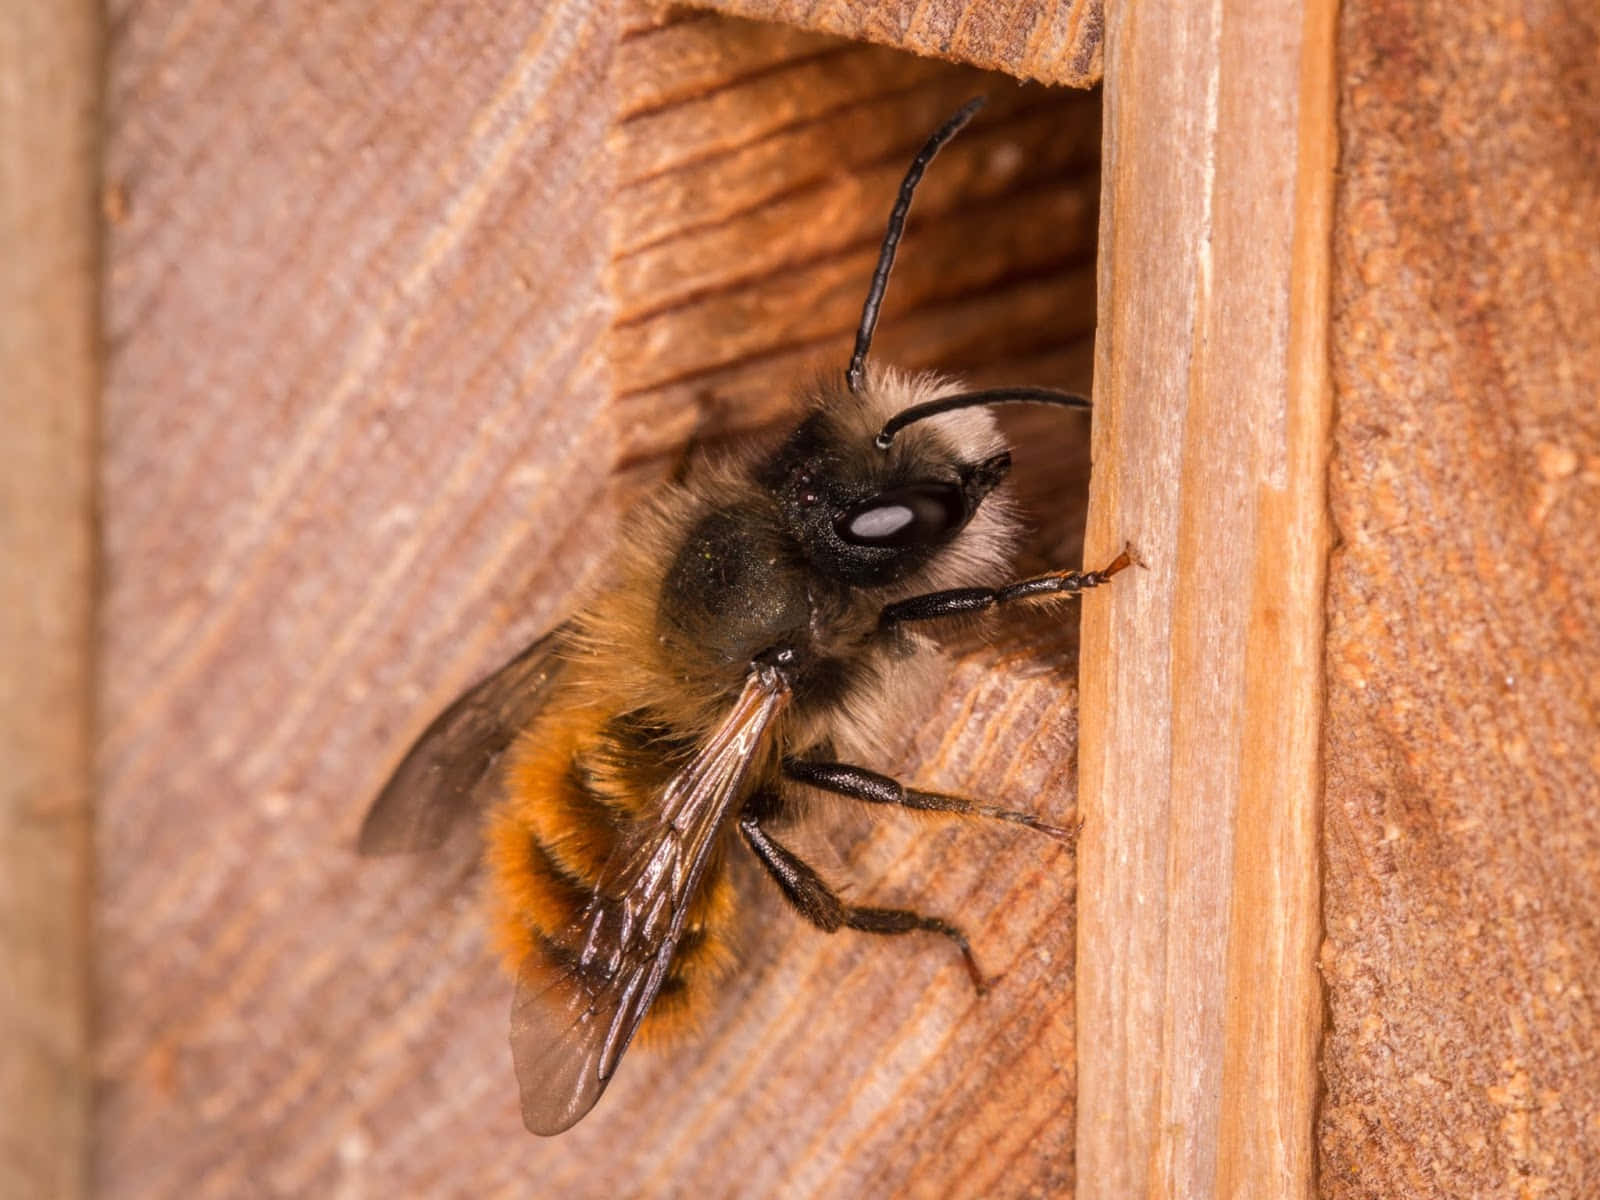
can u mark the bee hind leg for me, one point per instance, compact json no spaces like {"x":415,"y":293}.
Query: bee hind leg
{"x":861,"y":784}
{"x":818,"y":903}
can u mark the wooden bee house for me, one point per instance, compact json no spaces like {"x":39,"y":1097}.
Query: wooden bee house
{"x":336,"y":336}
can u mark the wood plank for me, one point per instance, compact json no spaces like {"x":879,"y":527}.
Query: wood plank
{"x":49,"y":136}
{"x":379,"y":372}
{"x":355,"y":451}
{"x":1463,"y":833}
{"x":1057,"y":41}
{"x":1198,"y":925}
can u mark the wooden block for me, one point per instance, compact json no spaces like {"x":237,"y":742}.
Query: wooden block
{"x":378,"y":368}
{"x":353,"y":455}
{"x":1462,"y":831}
{"x":1057,"y":41}
{"x":49,"y":110}
{"x":1198,"y":924}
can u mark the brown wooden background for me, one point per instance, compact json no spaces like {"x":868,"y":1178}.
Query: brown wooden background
{"x":1462,"y":834}
{"x":391,"y":299}
{"x":399,"y":305}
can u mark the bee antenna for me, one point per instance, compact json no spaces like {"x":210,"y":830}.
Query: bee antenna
{"x":891,"y":238}
{"x":1016,"y":395}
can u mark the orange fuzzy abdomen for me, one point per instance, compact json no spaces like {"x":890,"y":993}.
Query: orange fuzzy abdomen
{"x":574,"y":784}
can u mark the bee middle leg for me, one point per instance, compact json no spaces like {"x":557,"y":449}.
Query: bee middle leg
{"x":861,"y":784}
{"x":818,"y":903}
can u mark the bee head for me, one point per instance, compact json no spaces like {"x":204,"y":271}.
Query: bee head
{"x":871,"y":502}
{"x":873,"y":496}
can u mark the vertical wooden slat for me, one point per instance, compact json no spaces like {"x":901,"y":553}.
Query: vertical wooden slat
{"x":1273,"y":1013}
{"x":353,"y":451}
{"x":49,"y":94}
{"x":1198,"y":1003}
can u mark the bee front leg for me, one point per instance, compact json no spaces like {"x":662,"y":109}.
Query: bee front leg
{"x":964,"y":601}
{"x":861,"y":784}
{"x":818,"y":903}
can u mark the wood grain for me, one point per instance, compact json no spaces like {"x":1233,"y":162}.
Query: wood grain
{"x":1057,"y":41}
{"x":49,"y":141}
{"x":1463,"y":836}
{"x":353,"y":455}
{"x":748,"y":214}
{"x":380,"y":371}
{"x":1198,"y":919}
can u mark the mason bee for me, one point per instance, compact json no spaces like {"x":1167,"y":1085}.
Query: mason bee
{"x":756,"y":627}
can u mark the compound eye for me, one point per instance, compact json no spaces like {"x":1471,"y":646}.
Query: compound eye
{"x":918,"y":514}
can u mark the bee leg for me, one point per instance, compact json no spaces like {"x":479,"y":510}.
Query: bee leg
{"x":861,"y":784}
{"x":962,"y":601}
{"x":818,"y":903}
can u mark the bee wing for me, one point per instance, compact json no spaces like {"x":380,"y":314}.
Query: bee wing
{"x":576,"y":1011}
{"x":449,"y":773}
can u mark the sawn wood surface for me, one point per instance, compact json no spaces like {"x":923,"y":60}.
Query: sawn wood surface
{"x":402,"y":302}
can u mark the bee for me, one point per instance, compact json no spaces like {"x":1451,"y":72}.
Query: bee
{"x":758,"y":628}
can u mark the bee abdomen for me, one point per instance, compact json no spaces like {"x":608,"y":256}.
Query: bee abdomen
{"x":570,"y":799}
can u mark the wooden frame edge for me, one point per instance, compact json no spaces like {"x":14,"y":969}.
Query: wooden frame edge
{"x":1199,"y":1007}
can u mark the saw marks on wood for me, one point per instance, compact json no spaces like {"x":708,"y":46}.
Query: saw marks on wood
{"x":1056,"y":41}
{"x":396,"y":301}
{"x":352,"y":456}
